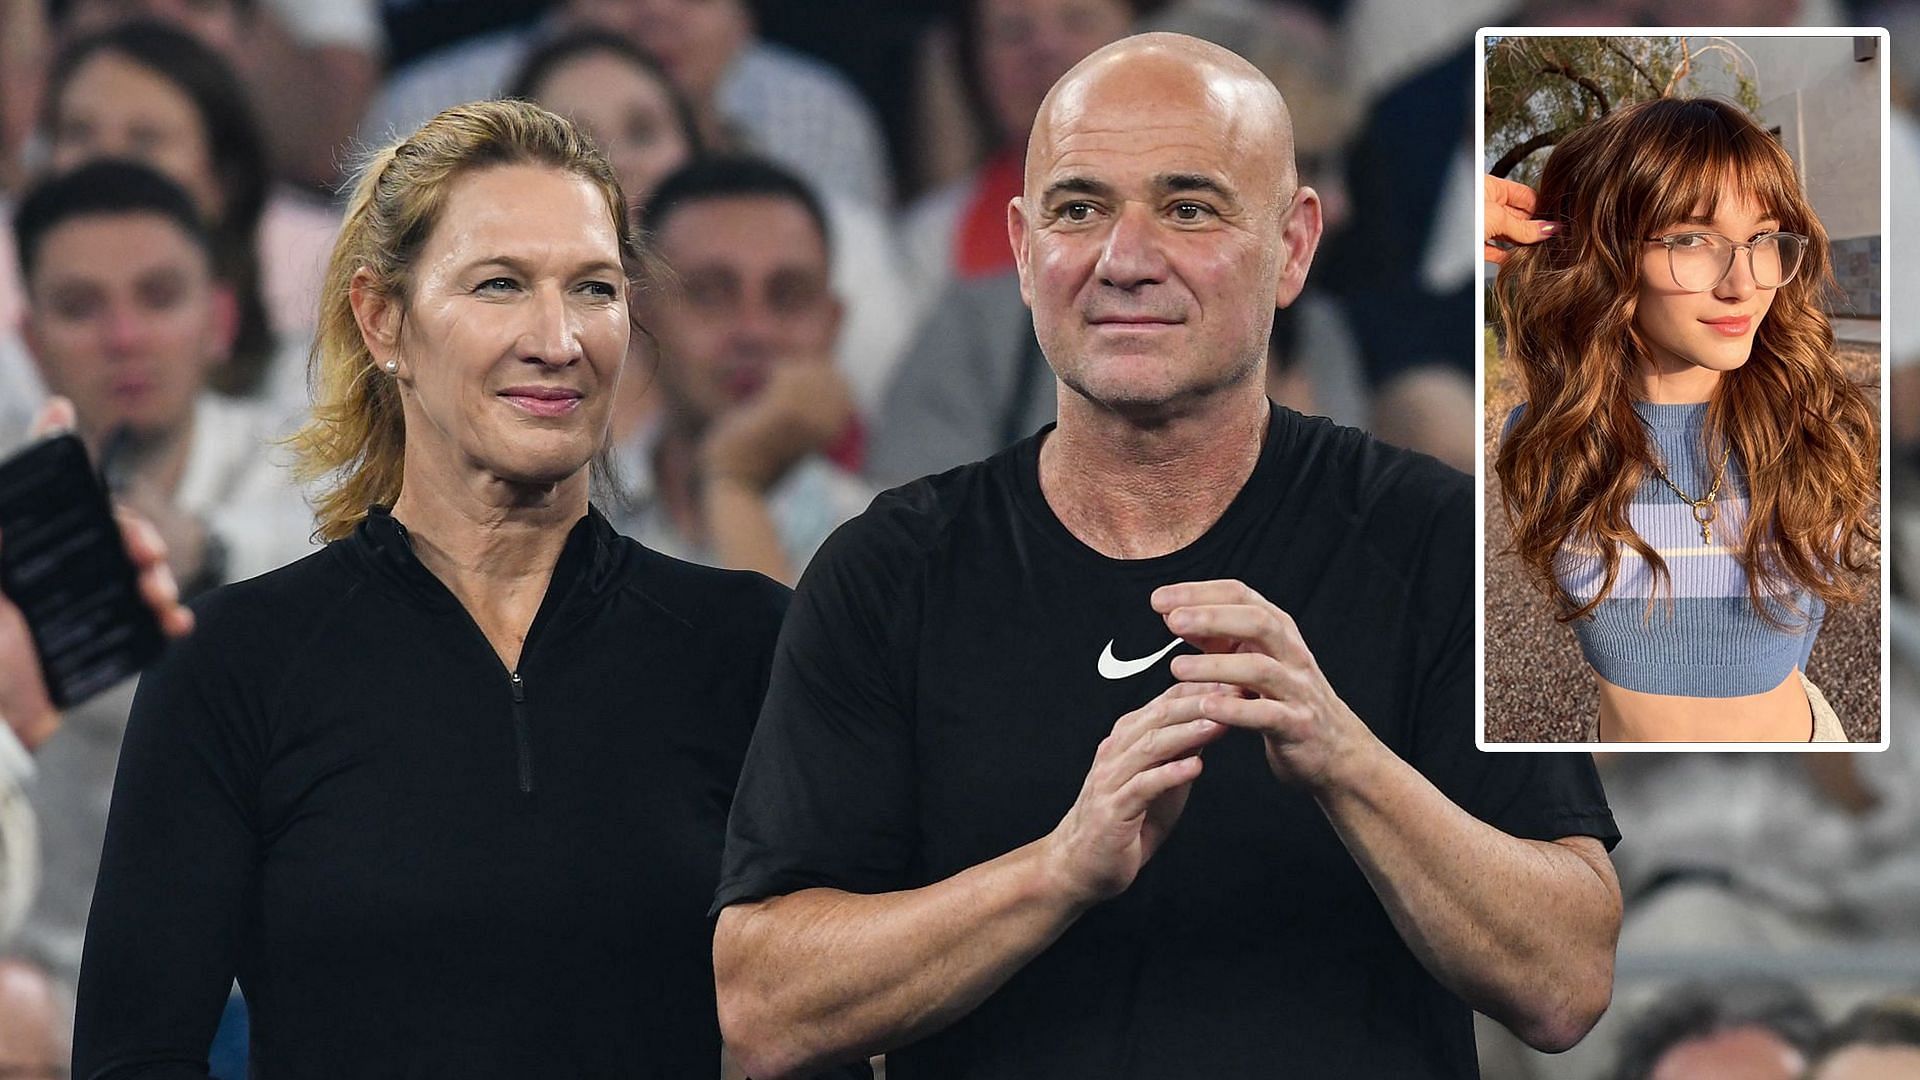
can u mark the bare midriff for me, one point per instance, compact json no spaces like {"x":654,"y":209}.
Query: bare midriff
{"x":1781,"y":714}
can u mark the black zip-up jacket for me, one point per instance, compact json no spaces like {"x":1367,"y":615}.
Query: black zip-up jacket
{"x":418,"y":863}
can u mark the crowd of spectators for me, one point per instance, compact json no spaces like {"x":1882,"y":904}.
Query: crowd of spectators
{"x":1768,"y":1029}
{"x":827,"y":192}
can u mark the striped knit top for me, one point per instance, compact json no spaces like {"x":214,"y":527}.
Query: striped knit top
{"x":1710,"y":642}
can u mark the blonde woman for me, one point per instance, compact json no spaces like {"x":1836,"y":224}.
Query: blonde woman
{"x":447,"y":797}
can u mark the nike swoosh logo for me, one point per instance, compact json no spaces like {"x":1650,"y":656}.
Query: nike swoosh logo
{"x":1115,"y":668}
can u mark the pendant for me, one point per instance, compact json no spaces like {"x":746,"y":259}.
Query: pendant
{"x":1703,"y":514}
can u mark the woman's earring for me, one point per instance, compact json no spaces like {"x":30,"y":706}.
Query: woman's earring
{"x":393,"y":367}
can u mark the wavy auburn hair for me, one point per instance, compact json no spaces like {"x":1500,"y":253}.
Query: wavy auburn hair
{"x":1803,"y":434}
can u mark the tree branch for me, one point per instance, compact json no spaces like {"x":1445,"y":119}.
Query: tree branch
{"x":1679,"y":73}
{"x":1584,"y":83}
{"x":1512,"y":158}
{"x":1613,"y":47}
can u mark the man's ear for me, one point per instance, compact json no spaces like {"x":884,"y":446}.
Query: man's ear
{"x":1300,"y":228}
{"x":377,"y":312}
{"x":1017,"y":236}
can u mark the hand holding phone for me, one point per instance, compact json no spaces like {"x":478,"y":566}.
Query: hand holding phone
{"x":85,"y":593}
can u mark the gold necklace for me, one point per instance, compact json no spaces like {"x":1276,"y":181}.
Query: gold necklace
{"x":1702,"y":506}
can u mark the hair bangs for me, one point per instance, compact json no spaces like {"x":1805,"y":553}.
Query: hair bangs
{"x":1713,"y":153}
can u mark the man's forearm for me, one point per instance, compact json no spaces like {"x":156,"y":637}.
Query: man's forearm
{"x":1522,"y":930}
{"x":822,"y":976}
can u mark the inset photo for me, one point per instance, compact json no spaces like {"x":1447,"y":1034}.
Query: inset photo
{"x":1683,"y":462}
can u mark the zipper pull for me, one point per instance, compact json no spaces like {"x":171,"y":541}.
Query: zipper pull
{"x":522,"y":738}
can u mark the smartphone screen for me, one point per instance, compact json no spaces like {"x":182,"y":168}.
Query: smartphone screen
{"x":63,"y":564}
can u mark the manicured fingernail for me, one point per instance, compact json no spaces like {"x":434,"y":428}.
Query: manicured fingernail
{"x":1549,"y":228}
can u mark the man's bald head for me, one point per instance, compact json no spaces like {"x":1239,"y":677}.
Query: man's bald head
{"x":1168,"y":72}
{"x":1161,"y":225}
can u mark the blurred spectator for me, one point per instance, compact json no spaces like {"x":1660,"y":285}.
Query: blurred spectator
{"x":1745,"y":13}
{"x":152,"y":94}
{"x":1902,"y":20}
{"x":973,"y":381}
{"x":1767,"y":852}
{"x":1775,"y":850}
{"x":1387,"y":41}
{"x":417,"y":28}
{"x":621,"y":97}
{"x":876,"y":45}
{"x":747,"y":94}
{"x":283,"y":49}
{"x":24,"y":37}
{"x":23,"y":51}
{"x":1758,"y":1030}
{"x":1880,"y":1041}
{"x":1413,"y":324}
{"x":753,"y":95}
{"x":1012,"y":52}
{"x":1406,"y":267}
{"x":126,"y":319}
{"x":147,"y":92}
{"x":735,"y":472}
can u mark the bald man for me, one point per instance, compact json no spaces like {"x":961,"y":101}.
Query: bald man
{"x":1144,"y":748}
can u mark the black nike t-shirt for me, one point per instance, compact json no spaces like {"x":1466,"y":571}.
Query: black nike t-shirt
{"x":937,"y":695}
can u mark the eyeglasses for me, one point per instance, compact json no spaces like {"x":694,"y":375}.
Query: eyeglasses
{"x":1701,"y":260}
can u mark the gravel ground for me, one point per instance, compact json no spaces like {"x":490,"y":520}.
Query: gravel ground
{"x":1538,"y":687}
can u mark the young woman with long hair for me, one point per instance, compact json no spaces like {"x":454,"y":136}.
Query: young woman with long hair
{"x":1693,"y":476}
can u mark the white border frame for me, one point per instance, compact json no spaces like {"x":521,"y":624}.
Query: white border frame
{"x":1480,"y":390}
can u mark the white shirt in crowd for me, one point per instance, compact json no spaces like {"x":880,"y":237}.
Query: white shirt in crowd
{"x":811,"y":501}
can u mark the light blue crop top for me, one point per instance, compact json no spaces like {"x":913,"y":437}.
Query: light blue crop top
{"x":1710,"y":642}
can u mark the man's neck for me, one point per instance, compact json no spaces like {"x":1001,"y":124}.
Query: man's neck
{"x":155,"y":460}
{"x":1133,"y":489}
{"x":674,"y":462}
